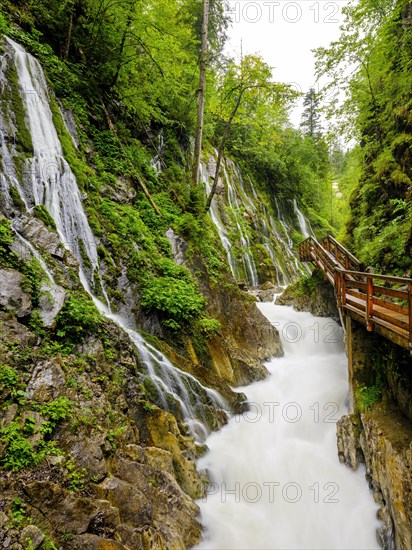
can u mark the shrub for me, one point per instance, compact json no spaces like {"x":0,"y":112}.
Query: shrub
{"x":78,"y":317}
{"x":175,"y":299}
{"x":366,"y":397}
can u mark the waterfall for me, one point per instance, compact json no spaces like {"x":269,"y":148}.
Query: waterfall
{"x":217,"y":220}
{"x":283,"y":487}
{"x":248,"y":210}
{"x":156,"y":161}
{"x":51,"y":182}
{"x":235,"y":204}
{"x":303,"y":223}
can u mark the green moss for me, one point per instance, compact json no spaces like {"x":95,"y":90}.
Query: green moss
{"x":11,"y":95}
{"x":79,"y":168}
{"x":42,"y":214}
{"x":17,"y":200}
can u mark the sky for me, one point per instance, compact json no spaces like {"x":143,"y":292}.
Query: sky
{"x":284,"y":32}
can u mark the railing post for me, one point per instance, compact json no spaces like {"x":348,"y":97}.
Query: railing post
{"x":338,"y":288}
{"x":410,"y":316}
{"x":343,"y":285}
{"x":369,"y":303}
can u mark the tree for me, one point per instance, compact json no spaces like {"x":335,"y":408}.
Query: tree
{"x":310,"y":122}
{"x":201,"y":93}
{"x":244,"y":88}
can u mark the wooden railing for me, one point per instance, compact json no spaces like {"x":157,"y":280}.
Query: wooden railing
{"x":382,"y":303}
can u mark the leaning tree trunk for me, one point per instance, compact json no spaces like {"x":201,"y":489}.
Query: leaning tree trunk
{"x":222,"y":150}
{"x":201,"y":95}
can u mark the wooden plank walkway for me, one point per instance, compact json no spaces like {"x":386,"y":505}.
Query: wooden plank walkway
{"x":380,"y":302}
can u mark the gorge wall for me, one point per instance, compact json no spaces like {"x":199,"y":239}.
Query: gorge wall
{"x":121,"y":331}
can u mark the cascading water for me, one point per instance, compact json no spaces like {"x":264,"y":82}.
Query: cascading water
{"x":304,"y":224}
{"x":245,"y":204}
{"x":216,"y":219}
{"x":247,"y":257}
{"x":276,"y":479}
{"x":51,"y":182}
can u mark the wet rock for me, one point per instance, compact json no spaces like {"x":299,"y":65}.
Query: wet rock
{"x":135,"y":453}
{"x":3,"y":520}
{"x":165,"y":434}
{"x":383,"y":439}
{"x":121,"y":192}
{"x":89,"y":455}
{"x":51,"y":302}
{"x":91,"y":542}
{"x":348,"y":431}
{"x":46,"y":382}
{"x":160,"y":459}
{"x":66,"y":512}
{"x":31,"y":535}
{"x":179,"y":247}
{"x":320,"y":301}
{"x":42,"y":238}
{"x":37,"y":233}
{"x":134,"y":507}
{"x":267,"y":291}
{"x":12,"y":296}
{"x":14,"y":332}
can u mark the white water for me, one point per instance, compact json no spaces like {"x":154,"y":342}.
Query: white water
{"x":304,"y":224}
{"x":235,"y":203}
{"x":53,"y":184}
{"x":216,"y":219}
{"x":277,"y":480}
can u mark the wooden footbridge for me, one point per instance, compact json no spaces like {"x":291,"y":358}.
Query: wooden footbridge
{"x":380,"y":302}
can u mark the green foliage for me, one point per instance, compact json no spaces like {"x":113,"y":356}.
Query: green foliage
{"x":19,"y":452}
{"x":6,"y":237}
{"x":18,"y":512}
{"x":78,"y":318}
{"x":175,"y":299}
{"x":76,"y":476}
{"x":56,"y":410}
{"x":209,"y":327}
{"x":308,"y":284}
{"x":9,"y":379}
{"x":41,"y":213}
{"x":366,"y":397}
{"x":24,"y":142}
{"x":372,"y":60}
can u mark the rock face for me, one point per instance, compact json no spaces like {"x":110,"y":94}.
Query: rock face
{"x":380,"y":435}
{"x":383,"y":440}
{"x":127,"y":474}
{"x":12,"y":297}
{"x":320,"y":302}
{"x":35,"y":231}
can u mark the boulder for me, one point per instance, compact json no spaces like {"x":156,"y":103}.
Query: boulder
{"x":46,"y":381}
{"x":12,"y":297}
{"x":36,"y":233}
{"x":89,"y":455}
{"x":14,"y":332}
{"x":134,"y":507}
{"x":51,"y":302}
{"x":91,"y":542}
{"x":32,"y":537}
{"x":66,"y":512}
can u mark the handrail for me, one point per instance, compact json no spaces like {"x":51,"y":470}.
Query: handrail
{"x":357,"y":293}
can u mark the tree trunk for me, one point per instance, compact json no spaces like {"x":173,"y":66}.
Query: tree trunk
{"x":221,"y":151}
{"x":201,"y":95}
{"x":122,"y":44}
{"x":69,"y":36}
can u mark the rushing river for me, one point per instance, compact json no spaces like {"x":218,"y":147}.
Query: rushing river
{"x":276,"y":479}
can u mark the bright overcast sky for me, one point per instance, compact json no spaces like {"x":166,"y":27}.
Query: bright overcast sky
{"x":284,"y":32}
